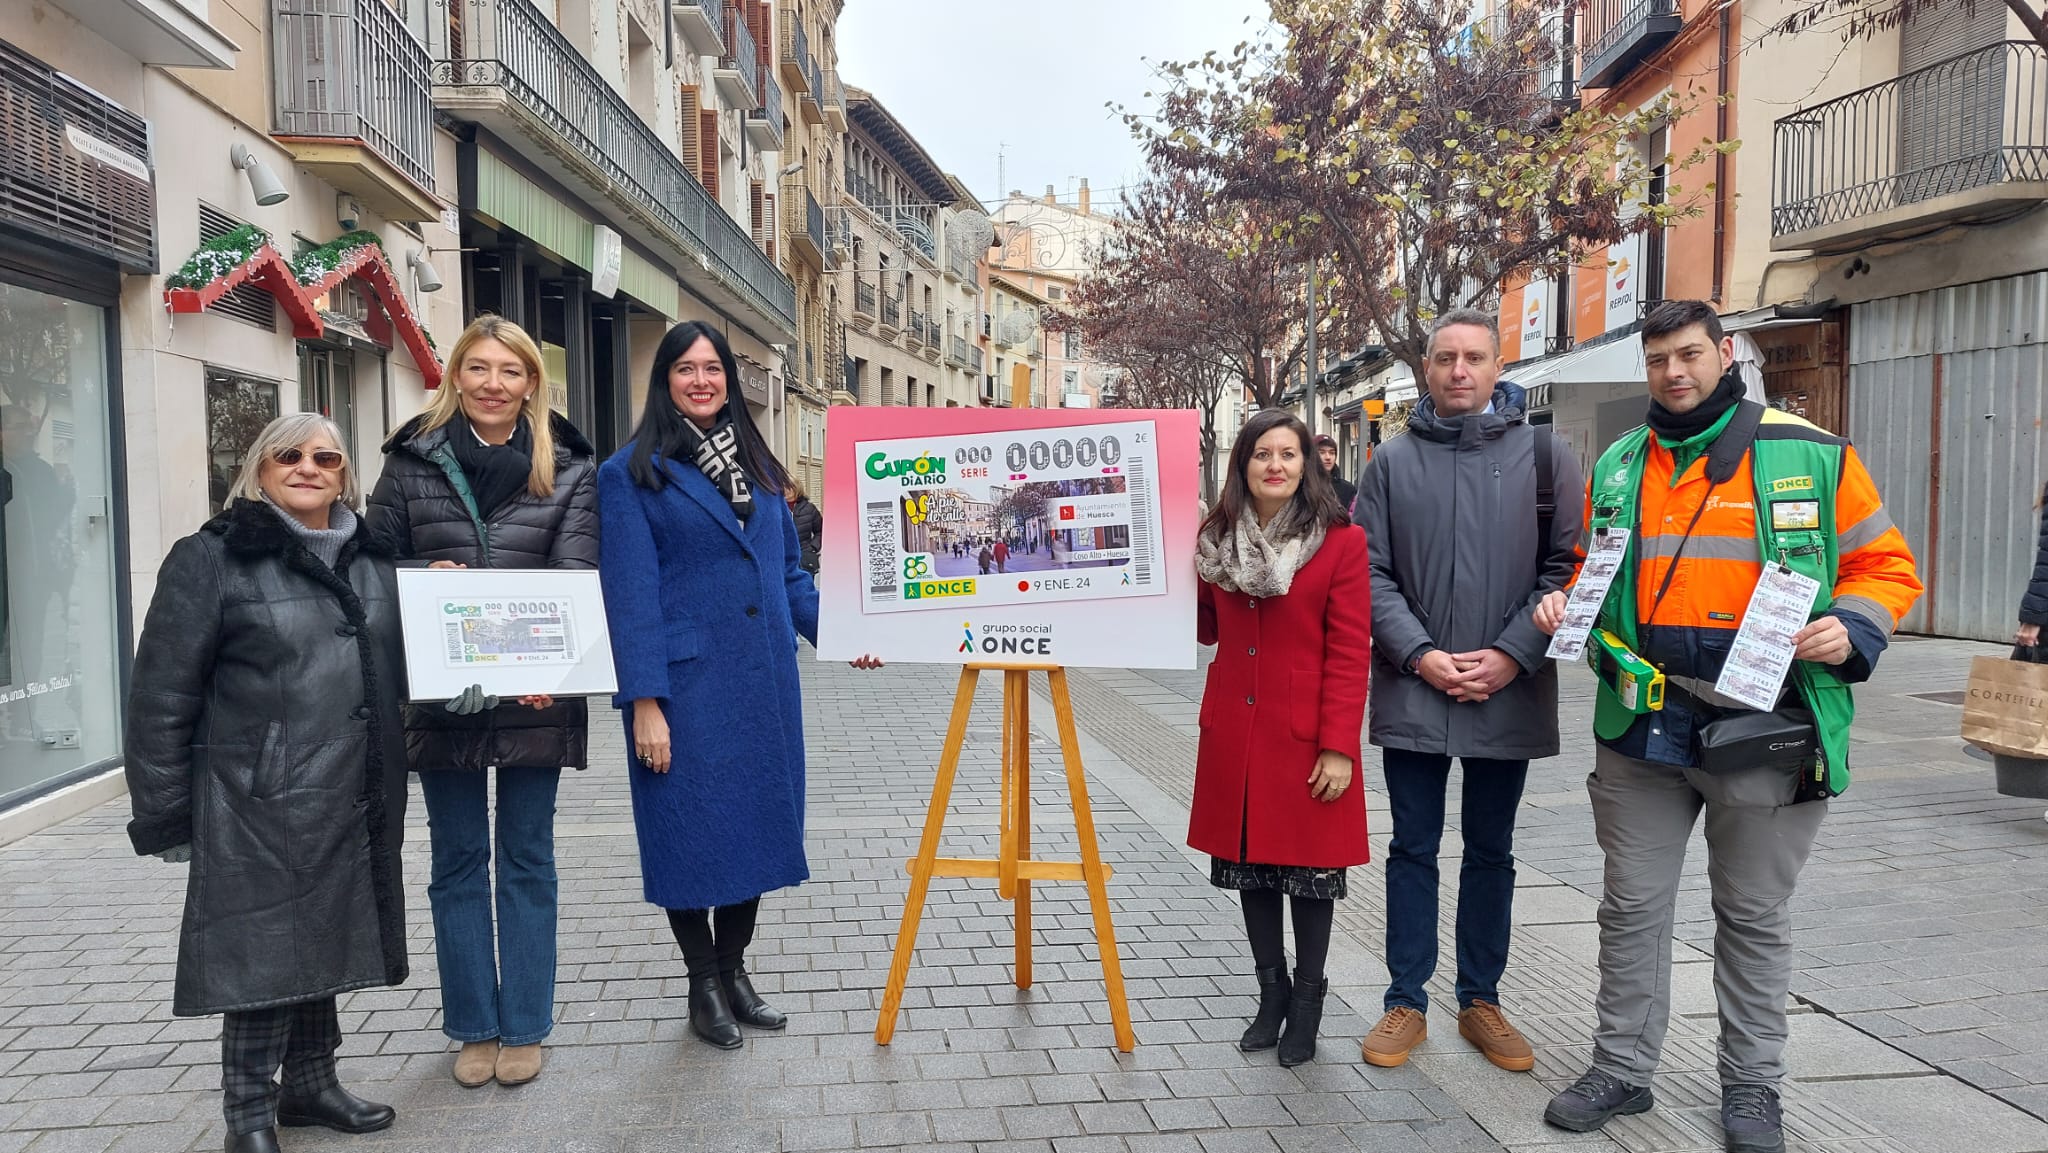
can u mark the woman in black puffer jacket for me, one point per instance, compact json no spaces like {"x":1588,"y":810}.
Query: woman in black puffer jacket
{"x":488,"y":477}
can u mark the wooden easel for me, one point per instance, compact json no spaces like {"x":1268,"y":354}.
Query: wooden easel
{"x":1013,"y":869}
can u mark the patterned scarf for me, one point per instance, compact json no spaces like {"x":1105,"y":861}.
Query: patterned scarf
{"x":717,"y":455}
{"x":1258,"y":562}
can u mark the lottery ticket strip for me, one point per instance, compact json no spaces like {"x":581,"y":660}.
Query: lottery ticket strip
{"x":1921,"y":982}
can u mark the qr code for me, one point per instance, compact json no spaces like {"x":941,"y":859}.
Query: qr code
{"x":881,"y":526}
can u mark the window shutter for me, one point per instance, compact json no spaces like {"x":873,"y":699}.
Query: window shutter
{"x":764,"y":37}
{"x":768,"y":226}
{"x":707,"y":151}
{"x":692,"y":151}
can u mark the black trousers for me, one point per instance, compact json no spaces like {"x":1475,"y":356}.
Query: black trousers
{"x":254,"y":1044}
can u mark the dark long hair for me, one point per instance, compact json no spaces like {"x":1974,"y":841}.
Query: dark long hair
{"x":1315,"y":502}
{"x":661,"y":423}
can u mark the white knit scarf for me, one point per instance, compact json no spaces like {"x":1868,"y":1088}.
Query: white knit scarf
{"x":1258,"y":562}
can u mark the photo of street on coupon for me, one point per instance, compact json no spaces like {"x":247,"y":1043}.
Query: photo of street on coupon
{"x":1056,"y":514}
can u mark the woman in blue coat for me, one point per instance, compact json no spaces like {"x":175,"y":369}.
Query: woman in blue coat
{"x":706,"y":597}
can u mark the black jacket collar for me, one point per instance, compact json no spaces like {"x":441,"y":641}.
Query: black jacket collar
{"x":253,"y":528}
{"x":570,"y":444}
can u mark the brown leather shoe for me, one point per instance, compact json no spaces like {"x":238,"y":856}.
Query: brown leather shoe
{"x":1390,"y":1041}
{"x":476,"y":1064}
{"x":518,"y":1064}
{"x":1487,"y":1028}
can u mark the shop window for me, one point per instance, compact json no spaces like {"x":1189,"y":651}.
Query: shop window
{"x":59,"y":686}
{"x":237,"y":408}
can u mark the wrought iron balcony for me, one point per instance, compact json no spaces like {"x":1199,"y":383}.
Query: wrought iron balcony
{"x":811,"y":100}
{"x":1558,"y":80}
{"x":913,"y":333}
{"x":794,"y":50}
{"x":804,"y":224}
{"x":870,"y":194}
{"x":956,"y":350}
{"x":916,"y":232}
{"x":1621,"y":34}
{"x":1964,"y":138}
{"x":892,"y":312}
{"x":738,"y":75}
{"x":702,"y":23}
{"x":974,"y":357}
{"x":512,"y":71}
{"x":863,"y":299}
{"x":355,"y":102}
{"x":962,"y":266}
{"x":835,"y":101}
{"x":934,"y":340}
{"x":764,"y":124}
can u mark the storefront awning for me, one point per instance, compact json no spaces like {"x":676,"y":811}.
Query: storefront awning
{"x":1610,"y":362}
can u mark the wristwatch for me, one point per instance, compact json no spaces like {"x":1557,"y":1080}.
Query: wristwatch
{"x":1415,"y":662}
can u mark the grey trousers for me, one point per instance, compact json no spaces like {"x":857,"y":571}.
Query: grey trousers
{"x":1757,"y":842}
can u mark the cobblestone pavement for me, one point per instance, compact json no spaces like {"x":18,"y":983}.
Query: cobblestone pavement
{"x":90,"y":1059}
{"x":1920,"y":994}
{"x":1922,"y":973}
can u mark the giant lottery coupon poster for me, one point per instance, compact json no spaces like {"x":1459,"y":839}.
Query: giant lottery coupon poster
{"x":1010,"y":536}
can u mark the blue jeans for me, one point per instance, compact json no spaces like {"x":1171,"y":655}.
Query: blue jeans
{"x":1416,"y":783}
{"x":509,"y":994}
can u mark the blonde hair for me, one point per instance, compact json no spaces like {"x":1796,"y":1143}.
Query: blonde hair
{"x":294,"y":431}
{"x":793,"y":490}
{"x":447,"y":401}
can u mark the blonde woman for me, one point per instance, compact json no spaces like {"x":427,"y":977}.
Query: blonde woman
{"x":488,"y":477}
{"x":264,"y":748}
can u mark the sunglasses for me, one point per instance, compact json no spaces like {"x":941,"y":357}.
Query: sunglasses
{"x":326,"y":459}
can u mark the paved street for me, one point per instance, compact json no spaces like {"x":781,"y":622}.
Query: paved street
{"x":1921,"y":975}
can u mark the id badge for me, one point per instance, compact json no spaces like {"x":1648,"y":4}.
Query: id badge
{"x":1795,"y":515}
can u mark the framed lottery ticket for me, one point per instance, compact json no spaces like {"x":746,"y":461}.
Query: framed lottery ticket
{"x":516,"y":632}
{"x":1010,"y":536}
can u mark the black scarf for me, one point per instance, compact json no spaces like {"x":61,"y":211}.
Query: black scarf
{"x":1672,"y":427}
{"x":717,"y":455}
{"x":496,"y":472}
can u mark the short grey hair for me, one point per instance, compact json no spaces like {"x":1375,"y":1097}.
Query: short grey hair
{"x":1463,"y":316}
{"x":292,"y":431}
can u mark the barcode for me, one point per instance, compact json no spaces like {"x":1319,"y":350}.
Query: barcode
{"x":454,"y":635}
{"x":881,"y":538}
{"x":1138,"y":482}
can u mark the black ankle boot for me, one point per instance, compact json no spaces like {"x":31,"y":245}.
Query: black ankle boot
{"x":710,"y":1015}
{"x":261,"y":1141}
{"x":1275,"y":991}
{"x":1304,"y":1017}
{"x":747,"y":1006}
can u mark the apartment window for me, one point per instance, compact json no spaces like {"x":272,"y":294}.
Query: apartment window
{"x":1055,"y":292}
{"x":931,"y":396}
{"x":1653,"y":240}
{"x":327,"y":385}
{"x":237,"y":409}
{"x":1073,"y":346}
{"x":1071,"y":381}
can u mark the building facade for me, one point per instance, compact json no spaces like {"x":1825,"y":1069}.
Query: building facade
{"x":1046,"y":247}
{"x":218,"y":211}
{"x":911,"y":274}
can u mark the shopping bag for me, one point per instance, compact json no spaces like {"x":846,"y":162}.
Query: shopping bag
{"x":2005,"y":709}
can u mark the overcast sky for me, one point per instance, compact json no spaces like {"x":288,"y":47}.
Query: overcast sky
{"x":965,"y":76}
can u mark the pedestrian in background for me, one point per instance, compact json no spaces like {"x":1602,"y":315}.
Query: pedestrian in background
{"x":264,"y":747}
{"x":1326,"y":455}
{"x":1002,"y":555}
{"x":705,"y":594}
{"x":1462,"y":553}
{"x":810,"y":525}
{"x":2034,"y":604}
{"x":488,"y":477}
{"x":1713,"y":488}
{"x":1285,"y":596}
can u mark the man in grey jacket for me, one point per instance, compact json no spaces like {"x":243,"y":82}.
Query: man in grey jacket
{"x":1471,"y":520}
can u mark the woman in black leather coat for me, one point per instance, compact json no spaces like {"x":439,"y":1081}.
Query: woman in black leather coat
{"x":488,"y":477}
{"x":263,"y":747}
{"x":2034,"y":605}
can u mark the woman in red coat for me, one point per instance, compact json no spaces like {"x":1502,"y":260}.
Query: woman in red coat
{"x":1286,"y":598}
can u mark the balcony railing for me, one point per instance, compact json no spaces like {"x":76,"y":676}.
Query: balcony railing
{"x":810,"y":100}
{"x":961,"y":265}
{"x":805,"y":224}
{"x":507,"y":44}
{"x":794,"y":50}
{"x":702,"y":23}
{"x":1621,"y":34}
{"x":1558,"y":80}
{"x":914,"y":331}
{"x":974,"y":357}
{"x":764,"y":124}
{"x":350,"y":70}
{"x":835,"y":101}
{"x":956,"y":350}
{"x":916,"y":232}
{"x":1966,"y":135}
{"x":738,"y":74}
{"x":892,"y":312}
{"x":869,"y":193}
{"x":934,"y":336}
{"x":863,"y":297}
